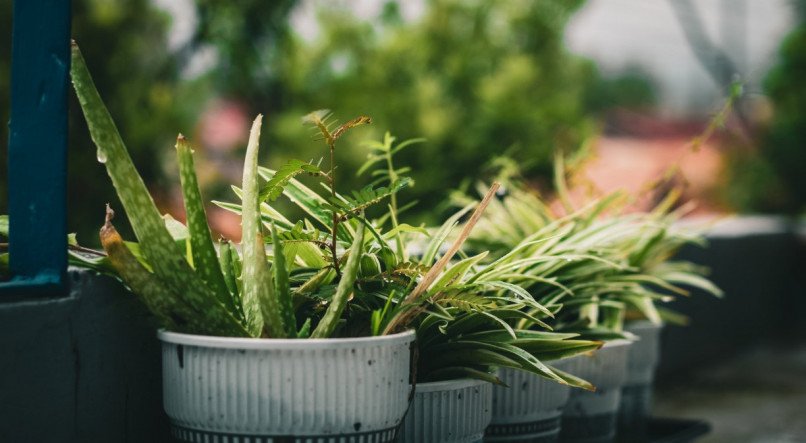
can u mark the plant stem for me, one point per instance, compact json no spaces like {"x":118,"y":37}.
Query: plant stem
{"x":407,"y":316}
{"x":332,"y":145}
{"x":393,"y":201}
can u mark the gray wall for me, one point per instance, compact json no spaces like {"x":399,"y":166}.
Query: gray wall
{"x":761,"y":266}
{"x":82,"y":368}
{"x":86,"y":367}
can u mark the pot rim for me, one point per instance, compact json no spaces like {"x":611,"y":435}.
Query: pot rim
{"x":615,"y":344}
{"x":448,"y":385}
{"x":282,"y":343}
{"x":643,"y":324}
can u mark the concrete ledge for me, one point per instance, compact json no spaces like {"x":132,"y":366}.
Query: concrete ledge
{"x":759,"y":262}
{"x":82,"y":368}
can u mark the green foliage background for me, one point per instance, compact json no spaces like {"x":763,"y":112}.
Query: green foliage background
{"x":475,"y":78}
{"x":771,"y":178}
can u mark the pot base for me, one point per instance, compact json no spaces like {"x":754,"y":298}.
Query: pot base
{"x":634,"y":412}
{"x":540,"y":431}
{"x":599,"y":428}
{"x":198,"y":436}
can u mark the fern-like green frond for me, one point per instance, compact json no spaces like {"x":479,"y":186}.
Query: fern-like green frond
{"x":275,"y":186}
{"x":350,"y":206}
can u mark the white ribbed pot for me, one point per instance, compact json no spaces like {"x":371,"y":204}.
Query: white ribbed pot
{"x":636,"y":395}
{"x":236,"y":390}
{"x":529,"y":408}
{"x":453,"y":411}
{"x":590,"y":417}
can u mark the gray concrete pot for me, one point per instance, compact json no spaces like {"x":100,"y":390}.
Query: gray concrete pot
{"x":590,"y":417}
{"x":529,"y":409}
{"x":236,"y":390}
{"x":453,"y":411}
{"x":636,"y":395}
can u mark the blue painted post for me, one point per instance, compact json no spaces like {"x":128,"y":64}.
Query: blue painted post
{"x":40,"y":65}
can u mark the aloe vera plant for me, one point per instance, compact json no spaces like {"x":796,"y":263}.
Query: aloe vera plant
{"x":170,"y":273}
{"x":206,"y":290}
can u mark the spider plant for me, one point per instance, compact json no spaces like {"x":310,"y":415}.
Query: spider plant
{"x":188,"y":283}
{"x":596,"y":261}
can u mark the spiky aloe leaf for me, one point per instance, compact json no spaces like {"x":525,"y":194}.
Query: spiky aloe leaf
{"x":160,"y":250}
{"x":259,"y":308}
{"x":205,"y":259}
{"x":231,"y":271}
{"x":165,"y":305}
{"x":349,"y":273}
{"x":282,"y":287}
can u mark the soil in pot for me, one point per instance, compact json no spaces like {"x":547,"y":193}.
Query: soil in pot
{"x":219,"y":389}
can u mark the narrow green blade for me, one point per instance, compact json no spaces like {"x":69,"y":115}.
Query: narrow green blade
{"x":204,"y":254}
{"x":260,"y":308}
{"x":160,"y":250}
{"x":349,"y":273}
{"x":282,"y":287}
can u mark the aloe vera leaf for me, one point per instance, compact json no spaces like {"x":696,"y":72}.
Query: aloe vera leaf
{"x":331,"y":318}
{"x":227,"y":270}
{"x":260,"y":308}
{"x":305,"y":330}
{"x":160,"y":250}
{"x":203,"y":252}
{"x":282,"y":287}
{"x":168,"y":308}
{"x":231,"y":270}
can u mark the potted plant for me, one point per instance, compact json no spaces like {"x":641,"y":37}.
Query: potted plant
{"x":456,"y":307}
{"x":312,"y":340}
{"x":270,"y":354}
{"x":604,"y":270}
{"x":561,"y":262}
{"x":460,"y":310}
{"x":653,"y":246}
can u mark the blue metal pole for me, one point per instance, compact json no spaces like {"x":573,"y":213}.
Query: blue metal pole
{"x":37,"y":158}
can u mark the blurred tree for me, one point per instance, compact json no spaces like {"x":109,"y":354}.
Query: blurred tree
{"x":247,"y":36}
{"x":632,"y":89}
{"x":771,"y":179}
{"x":475,"y":78}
